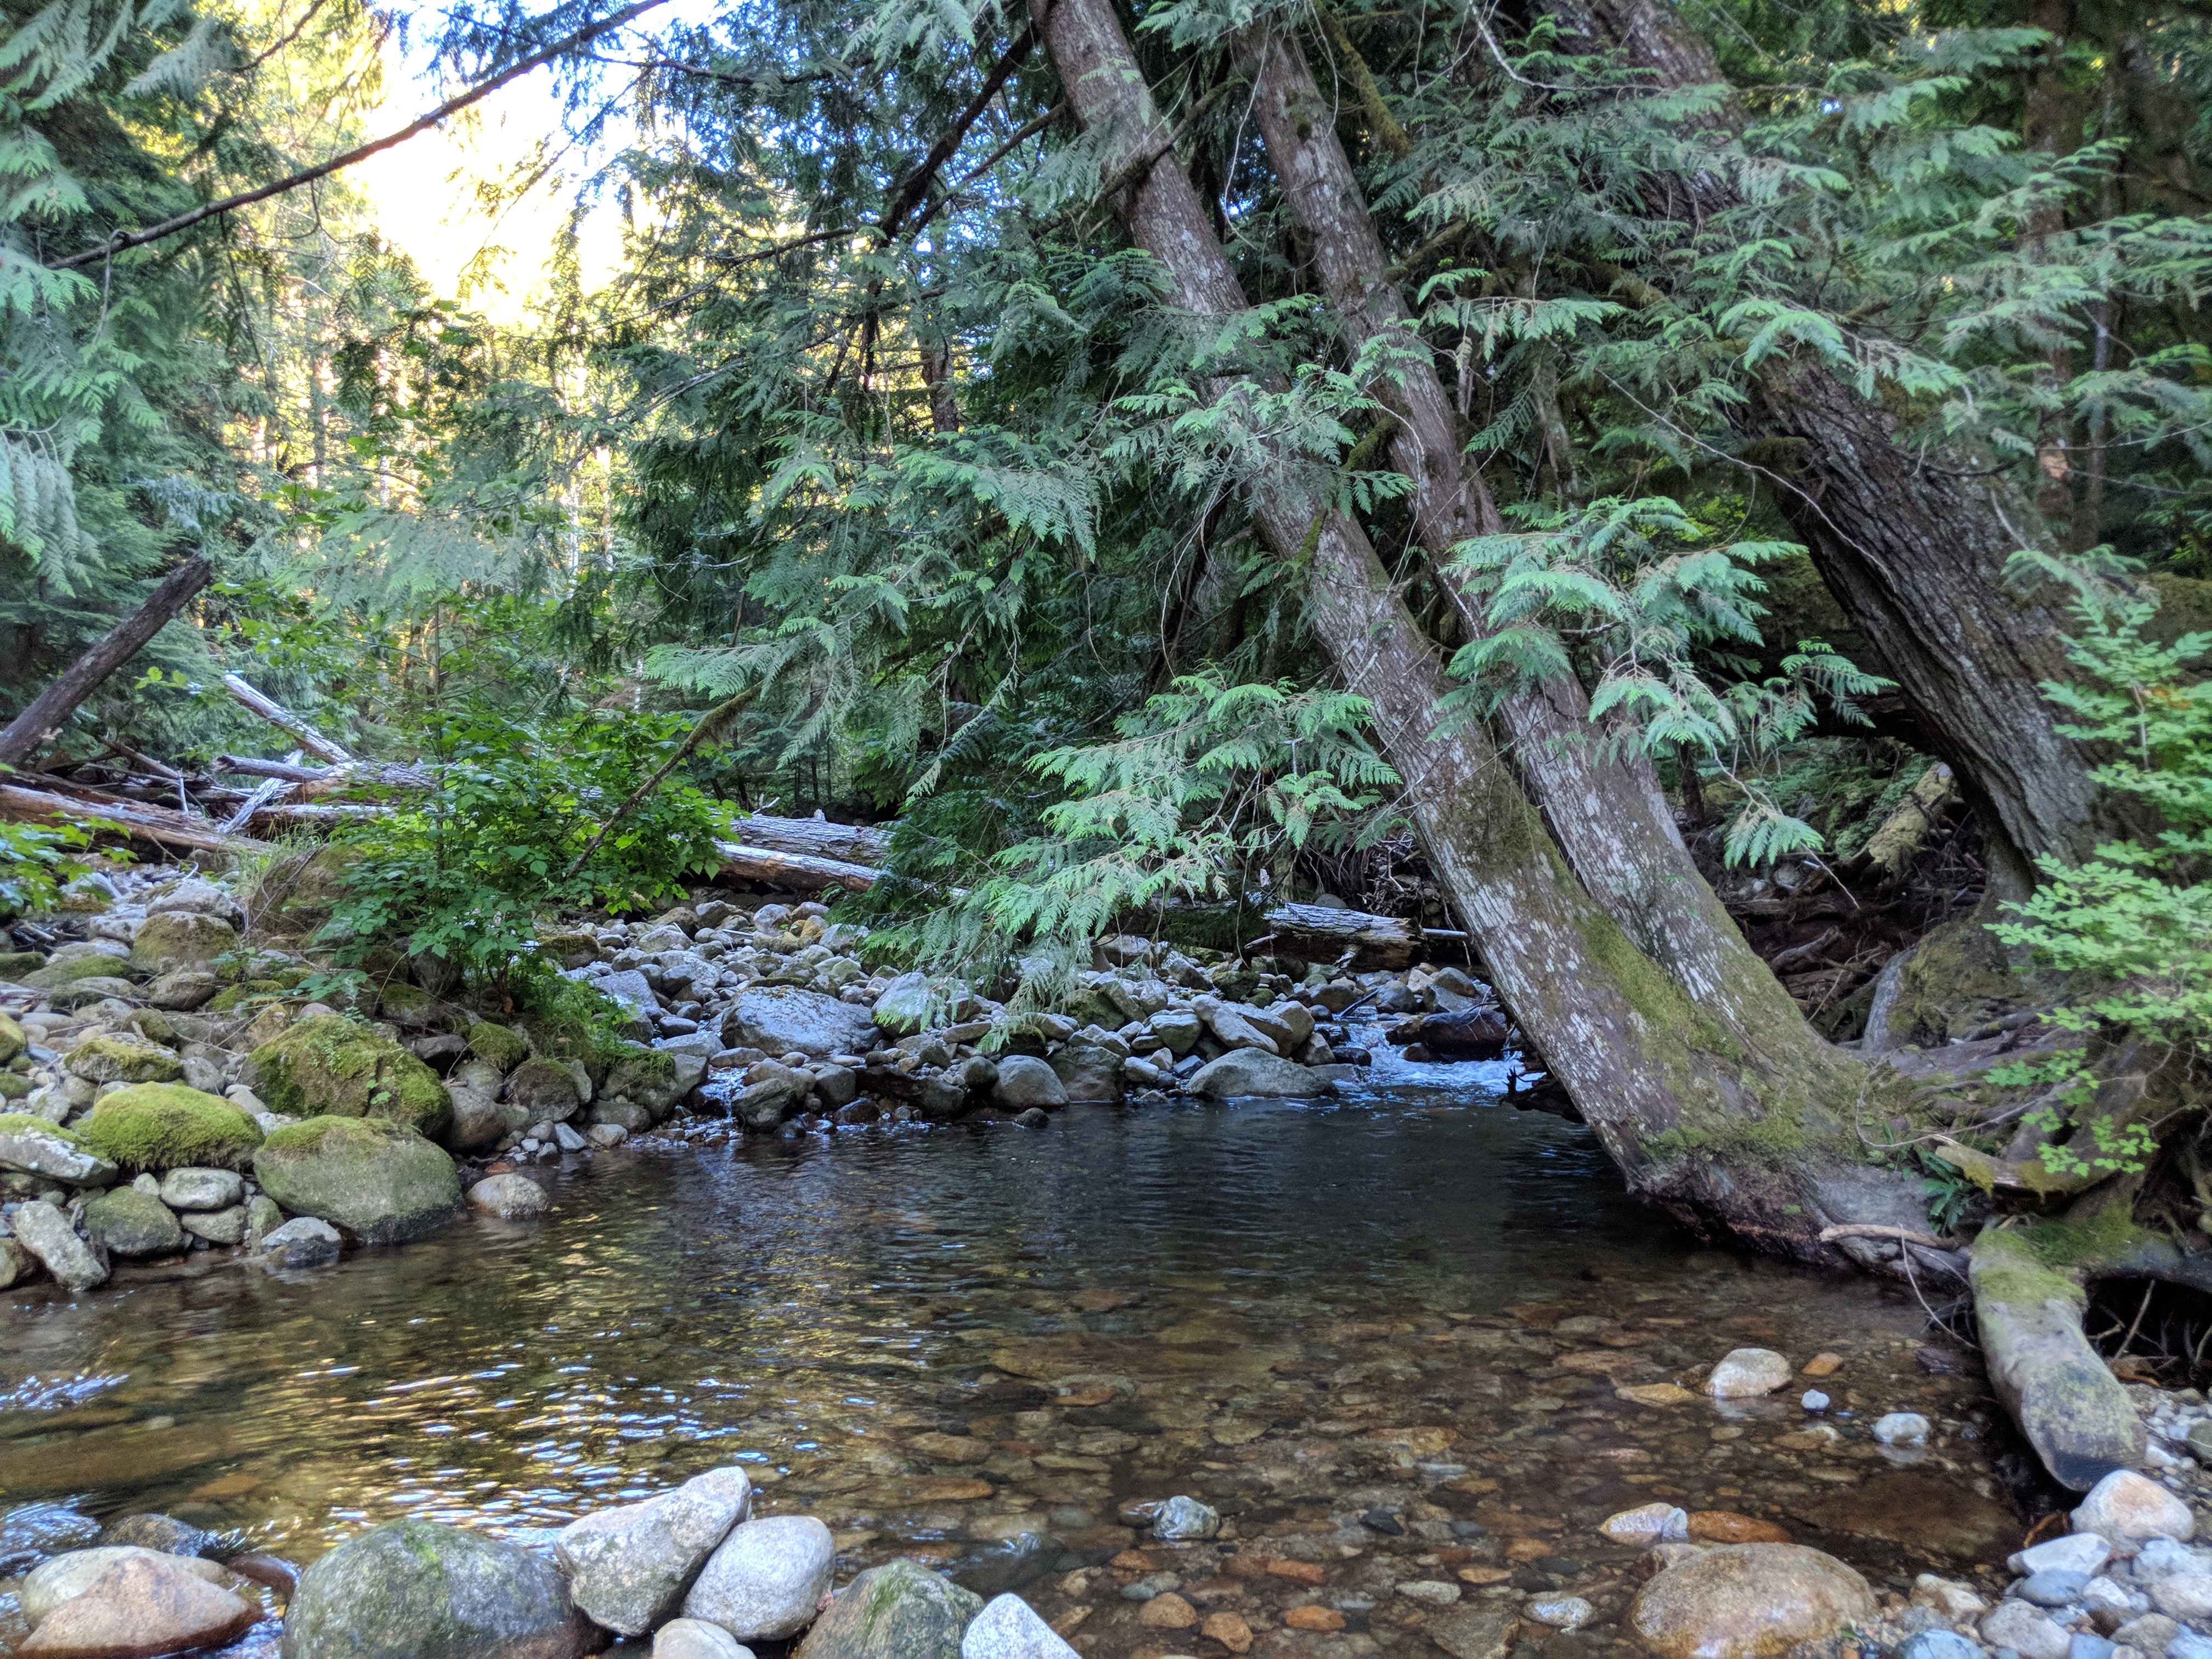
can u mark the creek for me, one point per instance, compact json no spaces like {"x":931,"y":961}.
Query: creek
{"x":1384,"y":1331}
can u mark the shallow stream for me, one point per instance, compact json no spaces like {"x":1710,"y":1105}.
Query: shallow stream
{"x":1381,"y":1335}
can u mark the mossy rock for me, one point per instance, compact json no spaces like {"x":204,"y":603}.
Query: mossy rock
{"x":15,"y":965}
{"x":160,"y":1126}
{"x":13,"y":1085}
{"x":332,"y":1066}
{"x":371,"y":1176}
{"x":413,"y":1589}
{"x":181,"y":939}
{"x":131,"y":1222}
{"x":1956,"y":981}
{"x":570,"y":950}
{"x":247,"y":991}
{"x":55,"y":974}
{"x":501,"y":1045}
{"x":117,"y":1057}
{"x":295,"y":896}
{"x":13,"y":1040}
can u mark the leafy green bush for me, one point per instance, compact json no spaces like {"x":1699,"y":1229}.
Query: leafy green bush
{"x":35,"y":865}
{"x":461,"y":873}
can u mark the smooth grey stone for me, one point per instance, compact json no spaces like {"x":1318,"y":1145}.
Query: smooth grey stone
{"x":1008,"y":1628}
{"x":2053,"y":1588}
{"x":767,"y":1577}
{"x":200,"y":1189}
{"x":628,"y":1567}
{"x":412,"y":1589}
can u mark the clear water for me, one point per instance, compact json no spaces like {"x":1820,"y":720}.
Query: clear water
{"x":1301,"y":1313}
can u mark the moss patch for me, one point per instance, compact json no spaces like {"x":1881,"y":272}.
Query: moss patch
{"x":13,"y":1041}
{"x":1956,"y":981}
{"x":115,"y":1058}
{"x":30,"y":1123}
{"x":566,"y":1019}
{"x":329,"y":1066}
{"x":166,"y":1126}
{"x":503,"y":1046}
{"x":58,"y":974}
{"x":316,"y":1135}
{"x":233,"y":998}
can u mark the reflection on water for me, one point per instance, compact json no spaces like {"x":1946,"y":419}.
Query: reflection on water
{"x":1414,"y":1301}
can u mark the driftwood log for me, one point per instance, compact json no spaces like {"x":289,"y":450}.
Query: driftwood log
{"x":285,"y":721}
{"x":162,"y":827}
{"x":815,"y":838}
{"x":796,"y":871}
{"x":1320,"y":932}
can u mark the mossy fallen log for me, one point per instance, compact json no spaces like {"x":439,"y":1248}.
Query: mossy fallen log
{"x":2070,"y":1406}
{"x":1321,"y":932}
{"x":162,"y":827}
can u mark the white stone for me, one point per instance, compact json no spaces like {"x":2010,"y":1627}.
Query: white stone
{"x":1814,"y":1401}
{"x":45,"y":1232}
{"x":1646,"y":1524}
{"x":2027,"y":1630}
{"x":1954,"y":1600}
{"x":1744,"y":1372}
{"x":2125,"y":1506}
{"x":628,"y":1567}
{"x":766,"y":1580}
{"x":2081,"y":1552}
{"x":1901,"y":1429}
{"x":694,"y":1638}
{"x":1008,"y":1628}
{"x":1561,"y":1612}
{"x":2183,"y":1594}
{"x":58,"y":1580}
{"x":2163,"y":1556}
{"x":1430,"y":1592}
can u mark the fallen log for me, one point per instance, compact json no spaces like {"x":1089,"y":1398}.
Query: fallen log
{"x":326,"y":780}
{"x":796,"y":871}
{"x":1320,"y":932}
{"x":285,"y":721}
{"x":1468,"y":1034}
{"x":2065,"y":1399}
{"x":163,"y":826}
{"x":848,"y":843}
{"x":49,"y":712}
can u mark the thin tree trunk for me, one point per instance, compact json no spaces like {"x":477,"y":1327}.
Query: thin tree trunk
{"x":1664,"y":1085}
{"x":50,"y":711}
{"x":1605,"y":807}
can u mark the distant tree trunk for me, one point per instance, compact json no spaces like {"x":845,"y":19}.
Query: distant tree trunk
{"x":1914,"y":548}
{"x":51,"y":709}
{"x":1698,"y":1121}
{"x":1606,"y":808}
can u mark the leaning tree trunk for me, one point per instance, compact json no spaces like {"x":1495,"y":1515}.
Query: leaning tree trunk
{"x":1603,"y":805}
{"x":1699,"y":1122}
{"x":50,"y":711}
{"x":1914,"y":548}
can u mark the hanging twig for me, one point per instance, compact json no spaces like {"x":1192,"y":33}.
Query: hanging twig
{"x":711,"y":725}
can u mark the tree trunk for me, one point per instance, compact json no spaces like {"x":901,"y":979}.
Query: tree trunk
{"x":1606,"y":809}
{"x":1698,"y":1122}
{"x":1915,"y":551}
{"x":50,"y":711}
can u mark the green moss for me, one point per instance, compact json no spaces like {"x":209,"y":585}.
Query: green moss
{"x":114,"y":1057}
{"x":503,"y":1047}
{"x":13,"y":1041}
{"x":166,"y":1126}
{"x":13,"y":1085}
{"x":566,"y":1019}
{"x":30,"y":1123}
{"x":2009,"y":1266}
{"x":330,"y":1065}
{"x":1956,"y":981}
{"x":334,"y":1134}
{"x":231,"y":999}
{"x":58,"y":974}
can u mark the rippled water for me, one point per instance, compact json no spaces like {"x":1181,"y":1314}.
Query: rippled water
{"x":1302,"y":1313}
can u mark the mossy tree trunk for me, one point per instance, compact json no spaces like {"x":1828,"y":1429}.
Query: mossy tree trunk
{"x":1700,"y":1119}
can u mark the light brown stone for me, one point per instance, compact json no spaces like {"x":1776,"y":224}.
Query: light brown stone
{"x":1167,"y":1611}
{"x":1727,"y":1527}
{"x":1229,"y":1629}
{"x":950,"y":1448}
{"x":1824,"y":1365}
{"x":141,"y":1607}
{"x":1749,"y":1602}
{"x":1298,"y":1572}
{"x":1655,"y":1393}
{"x":1483,"y":1574}
{"x":1313,"y":1616}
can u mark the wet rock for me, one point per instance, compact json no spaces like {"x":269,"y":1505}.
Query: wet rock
{"x":45,"y":1232}
{"x":410,"y":1590}
{"x":628,"y":1567}
{"x":781,"y":1019}
{"x":1744,"y":1373}
{"x":181,"y":939}
{"x":33,"y":1145}
{"x":1254,"y":1071}
{"x":900,"y":1610}
{"x":1561,"y":1612}
{"x":1749,"y":1602}
{"x":263,"y":1216}
{"x":144,"y":1603}
{"x":1726,"y":1527}
{"x":371,"y":1176}
{"x":127,"y":1223}
{"x":1008,"y":1628}
{"x":305,"y":1242}
{"x":1184,"y":1518}
{"x":64,"y":1577}
{"x":1314,"y":1616}
{"x":2126,"y":1506}
{"x":2027,"y":1630}
{"x":117,"y":1057}
{"x":904,"y":1007}
{"x":1921,"y":1512}
{"x":1034,"y":1118}
{"x":1646,"y":1524}
{"x":1430,"y":1592}
{"x":1939,"y":1644}
{"x":16,"y":1262}
{"x":694,"y":1638}
{"x":763,"y":1581}
{"x":217,"y":1226}
{"x":2084,"y":1553}
{"x":1026,"y":1081}
{"x":163,"y":1533}
{"x":1485,"y":1632}
{"x":630,"y":989}
{"x":773,"y":1093}
{"x":1167,"y":1611}
{"x":1088,"y":1072}
{"x":200,"y":1189}
{"x":1901,"y":1429}
{"x":477,"y":1121}
{"x":508,"y":1196}
{"x":1230,"y":1629}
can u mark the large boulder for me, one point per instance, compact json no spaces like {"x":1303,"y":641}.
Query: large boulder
{"x":546,"y":1089}
{"x":332,"y":1066}
{"x":1008,"y":1628}
{"x":158,"y":1127}
{"x":303,"y":1242}
{"x":781,"y":1018}
{"x":1749,"y":1602}
{"x":905,"y":1005}
{"x":118,"y":1057}
{"x":1231,"y":1025}
{"x":130,"y":1223}
{"x":144,"y":1603}
{"x":1023,"y":1080}
{"x":181,"y":939}
{"x":31,"y":1145}
{"x":69,"y":971}
{"x":901,"y":1610}
{"x":1088,"y":1072}
{"x":508,"y":1196}
{"x":64,"y":1577}
{"x":628,"y":1567}
{"x":45,"y":1232}
{"x":773,"y":1093}
{"x":411,"y":1590}
{"x":765,"y":1580}
{"x":374,"y":1178}
{"x":1255,"y":1072}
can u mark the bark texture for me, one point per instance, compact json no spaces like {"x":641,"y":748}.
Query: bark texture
{"x":1667,"y":1089}
{"x":1604,"y":807}
{"x":50,"y":711}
